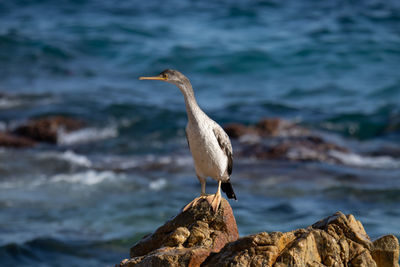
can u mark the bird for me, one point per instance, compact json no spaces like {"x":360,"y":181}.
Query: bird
{"x":209,"y":144}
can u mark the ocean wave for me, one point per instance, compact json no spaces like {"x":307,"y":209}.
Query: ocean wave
{"x":9,"y":103}
{"x":89,"y":177}
{"x":148,"y":162}
{"x":52,"y":251}
{"x":158,"y":184}
{"x":76,"y":158}
{"x":352,"y":159}
{"x":68,"y":156}
{"x":31,"y":48}
{"x":86,"y":135}
{"x":33,"y":183}
{"x":168,"y":163}
{"x":86,"y":178}
{"x":3,"y":126}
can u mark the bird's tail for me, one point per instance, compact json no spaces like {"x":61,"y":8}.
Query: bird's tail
{"x":228,"y":189}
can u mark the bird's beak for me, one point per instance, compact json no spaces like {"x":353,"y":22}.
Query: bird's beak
{"x":159,"y":78}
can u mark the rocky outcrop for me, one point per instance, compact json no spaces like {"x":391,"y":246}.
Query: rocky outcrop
{"x":10,"y":140}
{"x":267,"y":127}
{"x":188,"y":239}
{"x":198,"y":237}
{"x":47,"y":129}
{"x":274,"y":138}
{"x":338,"y":240}
{"x":386,"y":251}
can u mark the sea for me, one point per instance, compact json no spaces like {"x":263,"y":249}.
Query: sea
{"x":332,"y":67}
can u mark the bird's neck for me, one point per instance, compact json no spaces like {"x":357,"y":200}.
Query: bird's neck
{"x":192,"y":108}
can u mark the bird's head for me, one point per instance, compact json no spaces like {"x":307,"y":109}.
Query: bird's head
{"x":171,"y":76}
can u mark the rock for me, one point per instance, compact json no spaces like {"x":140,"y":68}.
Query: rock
{"x":270,"y":127}
{"x":187,"y":239}
{"x":340,"y":226}
{"x":266,"y":127}
{"x":386,"y":251}
{"x":47,"y":129}
{"x":281,"y":139}
{"x":279,"y":127}
{"x":198,"y":237}
{"x":337,"y":241}
{"x":236,"y":130}
{"x":255,"y":250}
{"x":308,"y":148}
{"x":10,"y":140}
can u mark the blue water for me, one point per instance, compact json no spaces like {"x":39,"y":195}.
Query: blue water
{"x":333,"y":67}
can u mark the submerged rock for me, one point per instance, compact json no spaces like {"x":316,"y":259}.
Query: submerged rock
{"x":47,"y":129}
{"x":10,"y":140}
{"x":274,"y":138}
{"x":198,"y":237}
{"x":266,"y":127}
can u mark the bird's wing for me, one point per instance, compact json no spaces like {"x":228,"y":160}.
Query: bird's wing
{"x":225,"y":145}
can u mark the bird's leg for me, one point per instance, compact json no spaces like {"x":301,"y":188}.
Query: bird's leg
{"x":215,"y":199}
{"x":203,"y":194}
{"x":203,"y":186}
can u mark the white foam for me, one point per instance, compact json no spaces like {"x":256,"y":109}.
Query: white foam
{"x":384,"y":162}
{"x":8,"y":185}
{"x":86,"y":135}
{"x":158,"y":184}
{"x":170,"y":162}
{"x":127,"y":122}
{"x":37,"y":181}
{"x":8,"y":103}
{"x":76,"y":158}
{"x":69,"y":156}
{"x":89,"y":177}
{"x":304,"y":153}
{"x":145,"y":161}
{"x":250,"y":139}
{"x":132,"y":163}
{"x":184,"y":161}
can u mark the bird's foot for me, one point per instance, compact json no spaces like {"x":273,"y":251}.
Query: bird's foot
{"x":214,"y":201}
{"x":195,"y":201}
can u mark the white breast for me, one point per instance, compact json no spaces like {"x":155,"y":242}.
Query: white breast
{"x":209,"y":159}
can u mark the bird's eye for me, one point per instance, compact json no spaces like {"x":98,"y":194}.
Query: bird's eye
{"x":165,"y":76}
